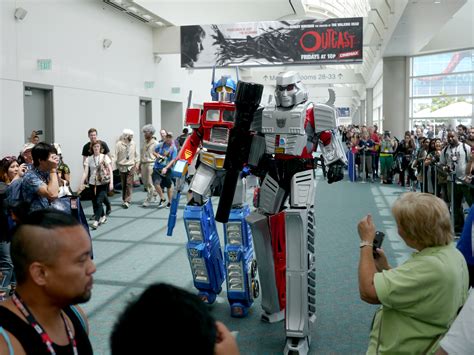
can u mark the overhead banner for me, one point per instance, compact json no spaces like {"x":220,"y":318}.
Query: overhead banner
{"x":330,"y":41}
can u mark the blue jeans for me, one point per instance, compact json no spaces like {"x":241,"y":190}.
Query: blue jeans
{"x":6,"y":266}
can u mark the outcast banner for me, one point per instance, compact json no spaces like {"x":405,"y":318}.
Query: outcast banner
{"x":272,"y":43}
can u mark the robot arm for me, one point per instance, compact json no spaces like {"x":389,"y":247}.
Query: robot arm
{"x":180,"y":171}
{"x":325,"y":134}
{"x":190,"y":146}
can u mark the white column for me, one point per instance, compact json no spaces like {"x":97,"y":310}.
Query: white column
{"x":369,"y":98}
{"x":395,"y":95}
{"x":363,"y":117}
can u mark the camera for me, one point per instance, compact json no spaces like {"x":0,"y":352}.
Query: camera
{"x":378,"y":240}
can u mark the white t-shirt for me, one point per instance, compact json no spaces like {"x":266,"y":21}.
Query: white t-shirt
{"x":460,"y":340}
{"x":93,"y":162}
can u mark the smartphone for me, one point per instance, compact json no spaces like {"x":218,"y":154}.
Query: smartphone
{"x":39,"y":131}
{"x":378,"y":240}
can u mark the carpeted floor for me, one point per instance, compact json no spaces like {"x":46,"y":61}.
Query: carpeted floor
{"x":132,"y":251}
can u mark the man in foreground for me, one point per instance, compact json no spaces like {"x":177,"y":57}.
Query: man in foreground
{"x":51,"y":254}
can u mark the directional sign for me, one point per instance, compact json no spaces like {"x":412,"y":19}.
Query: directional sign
{"x":326,"y":76}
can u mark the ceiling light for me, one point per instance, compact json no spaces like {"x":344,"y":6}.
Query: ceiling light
{"x":20,"y":13}
{"x":147,"y":17}
{"x":132,"y":9}
{"x":159,"y":23}
{"x":118,"y":2}
{"x":437,"y":1}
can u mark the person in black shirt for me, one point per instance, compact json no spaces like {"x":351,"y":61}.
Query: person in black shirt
{"x":87,"y":152}
{"x":51,"y":254}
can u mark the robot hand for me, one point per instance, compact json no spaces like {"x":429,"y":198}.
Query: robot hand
{"x":335,"y":172}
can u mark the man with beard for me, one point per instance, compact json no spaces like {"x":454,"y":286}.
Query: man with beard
{"x":51,"y":254}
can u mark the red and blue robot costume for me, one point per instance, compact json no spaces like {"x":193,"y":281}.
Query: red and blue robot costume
{"x":211,"y":127}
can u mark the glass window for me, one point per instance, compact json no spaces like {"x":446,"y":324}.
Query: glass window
{"x":442,"y":63}
{"x":443,"y":84}
{"x":228,"y":116}
{"x":213,"y":115}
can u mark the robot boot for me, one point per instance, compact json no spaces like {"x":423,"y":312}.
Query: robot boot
{"x":240,"y":265}
{"x":204,"y":251}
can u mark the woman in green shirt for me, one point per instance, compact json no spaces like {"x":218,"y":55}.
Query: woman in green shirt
{"x":421,"y":297}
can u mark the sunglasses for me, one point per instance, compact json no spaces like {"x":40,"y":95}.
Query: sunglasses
{"x":9,"y":159}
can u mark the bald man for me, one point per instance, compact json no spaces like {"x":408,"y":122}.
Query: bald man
{"x":51,"y":254}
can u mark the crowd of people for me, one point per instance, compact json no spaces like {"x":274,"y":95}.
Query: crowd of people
{"x":436,"y":162}
{"x":47,"y":267}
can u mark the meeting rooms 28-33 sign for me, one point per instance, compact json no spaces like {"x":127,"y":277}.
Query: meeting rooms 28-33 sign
{"x":272,"y":43}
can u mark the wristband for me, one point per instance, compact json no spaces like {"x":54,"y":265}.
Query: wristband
{"x":365,"y":243}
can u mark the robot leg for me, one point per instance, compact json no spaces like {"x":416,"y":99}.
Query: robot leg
{"x":240,"y":265}
{"x":269,"y":237}
{"x":300,"y":272}
{"x":204,"y":251}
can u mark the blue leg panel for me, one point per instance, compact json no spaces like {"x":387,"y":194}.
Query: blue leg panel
{"x":238,"y":254}
{"x":204,"y":251}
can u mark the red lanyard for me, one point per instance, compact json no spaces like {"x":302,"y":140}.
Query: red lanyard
{"x":39,"y":329}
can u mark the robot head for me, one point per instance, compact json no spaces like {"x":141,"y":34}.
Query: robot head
{"x":290,"y":90}
{"x":224,"y":89}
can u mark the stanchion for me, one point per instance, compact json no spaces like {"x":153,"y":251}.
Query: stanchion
{"x":435,"y":187}
{"x":453,"y":181}
{"x":364,"y":180}
{"x":423,"y":182}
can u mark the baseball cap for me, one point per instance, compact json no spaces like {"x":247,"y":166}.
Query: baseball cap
{"x":27,"y":146}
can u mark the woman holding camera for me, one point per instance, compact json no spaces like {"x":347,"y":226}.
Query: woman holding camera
{"x":10,"y":172}
{"x":420,"y":298}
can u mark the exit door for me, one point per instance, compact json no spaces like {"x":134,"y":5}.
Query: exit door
{"x":38,"y":106}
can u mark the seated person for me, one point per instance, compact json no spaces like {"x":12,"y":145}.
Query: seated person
{"x":178,"y":323}
{"x":421,"y":297}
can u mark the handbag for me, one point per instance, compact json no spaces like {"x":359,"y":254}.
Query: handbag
{"x":102,"y":173}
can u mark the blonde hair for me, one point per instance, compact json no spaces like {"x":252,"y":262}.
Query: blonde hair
{"x":424,"y":218}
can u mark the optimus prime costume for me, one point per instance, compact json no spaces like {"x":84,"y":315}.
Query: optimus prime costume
{"x":211,"y":127}
{"x":284,"y":238}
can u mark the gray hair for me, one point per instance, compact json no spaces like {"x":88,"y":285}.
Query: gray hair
{"x":148,"y":128}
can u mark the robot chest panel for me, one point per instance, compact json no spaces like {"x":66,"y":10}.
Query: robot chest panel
{"x":216,"y":138}
{"x":284,"y":130}
{"x":284,"y":121}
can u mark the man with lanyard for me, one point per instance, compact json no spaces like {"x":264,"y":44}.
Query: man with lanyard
{"x":454,"y":158}
{"x":51,"y":254}
{"x":165,"y":153}
{"x":87,"y":152}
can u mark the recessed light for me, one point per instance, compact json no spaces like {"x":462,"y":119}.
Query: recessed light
{"x":147,"y":17}
{"x":159,"y":23}
{"x":132,"y":9}
{"x":437,"y":1}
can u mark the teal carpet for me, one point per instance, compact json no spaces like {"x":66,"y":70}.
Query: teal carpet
{"x":132,"y":251}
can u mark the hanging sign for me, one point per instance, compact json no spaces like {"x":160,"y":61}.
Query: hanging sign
{"x":330,"y":41}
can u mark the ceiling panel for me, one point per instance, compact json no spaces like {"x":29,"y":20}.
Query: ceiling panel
{"x":419,"y":23}
{"x":198,"y":12}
